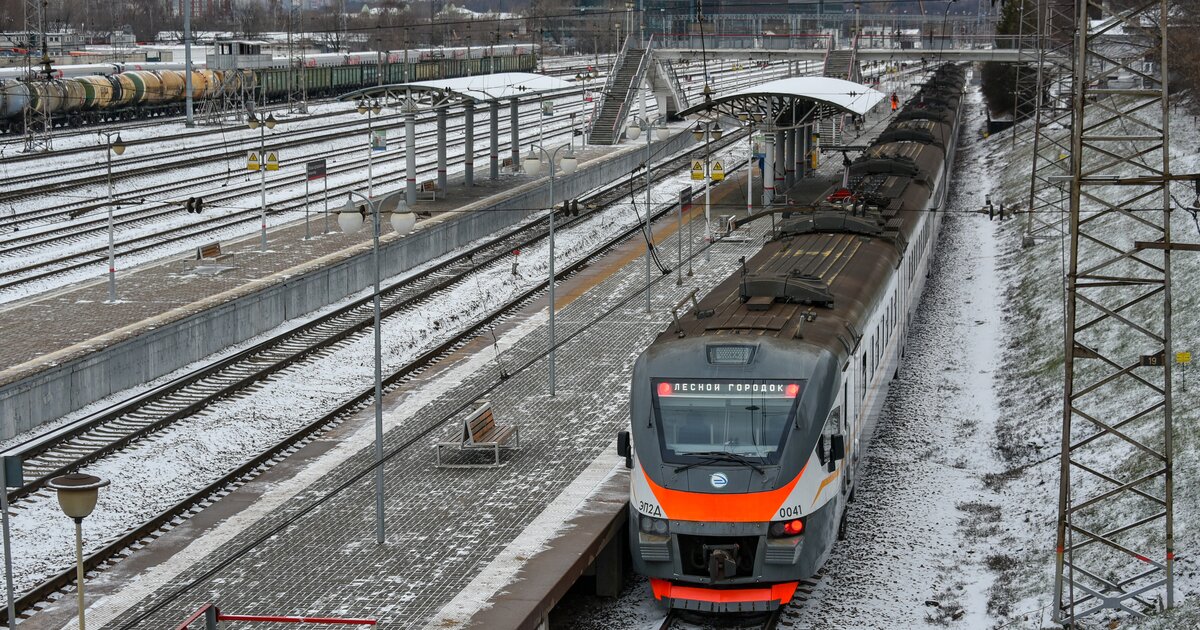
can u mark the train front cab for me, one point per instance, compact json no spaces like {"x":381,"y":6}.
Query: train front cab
{"x":735,"y":491}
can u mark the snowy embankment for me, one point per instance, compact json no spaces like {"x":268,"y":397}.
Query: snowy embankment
{"x":159,"y":471}
{"x":1028,"y":436}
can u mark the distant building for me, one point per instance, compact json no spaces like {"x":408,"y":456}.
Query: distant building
{"x":57,"y":42}
{"x":202,"y":8}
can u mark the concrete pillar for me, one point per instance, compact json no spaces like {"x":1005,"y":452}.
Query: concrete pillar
{"x":441,"y":148}
{"x":469,"y":143}
{"x":805,"y":134}
{"x":768,"y":177}
{"x":494,"y":112}
{"x":515,"y":133}
{"x":780,"y":163}
{"x":789,"y":152}
{"x":609,"y":567}
{"x":410,"y":157}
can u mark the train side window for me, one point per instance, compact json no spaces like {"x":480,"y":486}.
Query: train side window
{"x":832,"y":426}
{"x":862,"y":378}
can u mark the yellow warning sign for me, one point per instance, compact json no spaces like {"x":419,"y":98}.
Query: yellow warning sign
{"x":272,"y":161}
{"x":697,"y":170}
{"x":252,"y":160}
{"x":718,"y":172}
{"x":1183,"y":357}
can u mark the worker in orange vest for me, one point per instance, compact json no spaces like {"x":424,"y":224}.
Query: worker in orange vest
{"x":895,"y":102}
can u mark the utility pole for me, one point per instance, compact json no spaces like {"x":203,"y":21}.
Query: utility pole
{"x":38,"y":121}
{"x":1115,"y":538}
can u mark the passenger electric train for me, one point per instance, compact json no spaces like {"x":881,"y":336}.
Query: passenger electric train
{"x":93,"y":93}
{"x":749,"y":414}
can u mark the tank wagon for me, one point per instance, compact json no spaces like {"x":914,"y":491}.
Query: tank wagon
{"x":104,"y":92}
{"x":750,"y":415}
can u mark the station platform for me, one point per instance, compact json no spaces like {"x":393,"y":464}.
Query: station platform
{"x":67,"y":348}
{"x":456,"y":538}
{"x":465,"y":548}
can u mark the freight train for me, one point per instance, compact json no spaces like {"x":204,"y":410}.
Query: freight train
{"x":95,"y":93}
{"x":750,"y":414}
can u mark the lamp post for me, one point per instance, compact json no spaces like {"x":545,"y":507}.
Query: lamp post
{"x":653,"y":131}
{"x":77,"y":495}
{"x":263,"y":126}
{"x":369,"y":108}
{"x":117,"y":147}
{"x":707,"y":131}
{"x":946,"y":15}
{"x":533,"y":165}
{"x":350,"y":219}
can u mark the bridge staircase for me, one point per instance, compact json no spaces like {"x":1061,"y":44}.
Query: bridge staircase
{"x":839,"y":64}
{"x":620,"y":91}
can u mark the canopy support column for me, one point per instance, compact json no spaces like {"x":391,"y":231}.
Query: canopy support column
{"x":469,"y":143}
{"x":515,"y":133}
{"x":494,"y":112}
{"x":441,"y":148}
{"x":410,"y":156}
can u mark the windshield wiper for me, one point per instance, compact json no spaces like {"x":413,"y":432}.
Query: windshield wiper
{"x":709,"y":457}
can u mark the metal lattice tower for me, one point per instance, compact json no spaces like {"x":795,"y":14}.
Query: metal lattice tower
{"x":1052,"y":121}
{"x":38,"y":122}
{"x":1028,"y":51}
{"x":1115,"y":539}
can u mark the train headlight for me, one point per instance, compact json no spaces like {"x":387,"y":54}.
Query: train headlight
{"x":782,"y":529}
{"x":651,"y":525}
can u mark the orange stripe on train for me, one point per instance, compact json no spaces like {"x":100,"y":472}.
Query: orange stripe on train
{"x":746,"y":507}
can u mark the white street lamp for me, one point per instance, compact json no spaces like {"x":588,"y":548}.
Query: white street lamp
{"x":707,"y":131}
{"x":253,"y":123}
{"x":351,"y":219}
{"x":77,"y":495}
{"x":118,"y":147}
{"x":636,"y":128}
{"x":370,"y":108}
{"x":533,"y":165}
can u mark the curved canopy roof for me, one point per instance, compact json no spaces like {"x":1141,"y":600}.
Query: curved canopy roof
{"x":847,"y":96}
{"x":479,"y":88}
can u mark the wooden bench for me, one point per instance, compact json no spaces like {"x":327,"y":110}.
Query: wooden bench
{"x":480,"y":432}
{"x":211,"y":251}
{"x":429,"y":187}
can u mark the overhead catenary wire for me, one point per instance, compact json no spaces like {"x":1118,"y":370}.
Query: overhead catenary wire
{"x":360,"y":474}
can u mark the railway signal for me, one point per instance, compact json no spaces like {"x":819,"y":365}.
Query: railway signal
{"x":195,"y":205}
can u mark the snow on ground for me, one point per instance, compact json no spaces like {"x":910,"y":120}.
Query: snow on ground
{"x":1029,"y":437}
{"x":163,"y":469}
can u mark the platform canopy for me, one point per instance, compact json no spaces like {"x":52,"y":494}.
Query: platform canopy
{"x":790,"y":101}
{"x":480,"y":89}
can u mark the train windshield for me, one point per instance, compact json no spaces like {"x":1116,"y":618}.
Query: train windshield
{"x":745,"y":417}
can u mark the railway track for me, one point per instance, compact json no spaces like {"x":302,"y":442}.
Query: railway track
{"x":17,"y":241}
{"x":569,"y":68}
{"x":206,"y":228}
{"x":152,"y":163}
{"x":688,"y":620}
{"x":106,"y":432}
